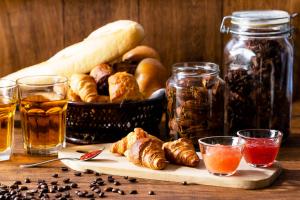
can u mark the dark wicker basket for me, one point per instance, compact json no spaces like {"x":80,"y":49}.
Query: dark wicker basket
{"x":90,"y":123}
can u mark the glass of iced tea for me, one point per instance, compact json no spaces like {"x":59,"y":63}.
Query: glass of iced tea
{"x":43,"y":106}
{"x":8,"y":101}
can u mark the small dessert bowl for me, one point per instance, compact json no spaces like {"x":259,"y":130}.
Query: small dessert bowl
{"x":221,"y":154}
{"x":261,"y":147}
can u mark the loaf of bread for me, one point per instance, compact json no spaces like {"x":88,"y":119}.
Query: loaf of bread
{"x":101,"y":46}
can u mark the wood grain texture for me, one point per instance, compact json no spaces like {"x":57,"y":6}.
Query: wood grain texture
{"x":33,"y":30}
{"x":183,"y":30}
{"x":28,"y":32}
{"x":285,"y":187}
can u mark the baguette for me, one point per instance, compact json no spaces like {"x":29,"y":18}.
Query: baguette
{"x":102,"y":46}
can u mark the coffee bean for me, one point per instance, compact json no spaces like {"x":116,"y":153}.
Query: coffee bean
{"x":108,"y":189}
{"x":117,"y":183}
{"x":60,"y":189}
{"x":97,"y":190}
{"x":97,"y":174}
{"x":51,"y":190}
{"x":17,"y":183}
{"x":64,"y":169}
{"x":67,"y":194}
{"x":43,"y":186}
{"x":24,"y":188}
{"x":53,"y":182}
{"x":54,"y":175}
{"x":66,"y":180}
{"x":121,"y":192}
{"x":13,"y":187}
{"x":80,"y":194}
{"x":58,"y":195}
{"x":27,"y":180}
{"x":132,"y":180}
{"x":151,"y":193}
{"x":133,"y":192}
{"x":101,"y":194}
{"x":89,"y":195}
{"x":74,"y":185}
{"x":45,"y":190}
{"x":77,"y":173}
{"x":111,"y":180}
{"x":184,"y":183}
{"x":54,"y":187}
{"x":115,"y":190}
{"x":101,"y":183}
{"x":126,"y":177}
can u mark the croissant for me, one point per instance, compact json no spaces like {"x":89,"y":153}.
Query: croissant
{"x":181,"y":152}
{"x":147,"y":152}
{"x":85,"y":87}
{"x":72,"y":96}
{"x":125,"y":143}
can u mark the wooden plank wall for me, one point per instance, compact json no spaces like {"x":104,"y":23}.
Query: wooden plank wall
{"x":33,"y":30}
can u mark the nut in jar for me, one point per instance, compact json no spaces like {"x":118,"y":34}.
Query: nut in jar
{"x":195,"y":101}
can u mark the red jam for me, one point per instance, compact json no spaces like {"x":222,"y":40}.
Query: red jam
{"x":261,"y":151}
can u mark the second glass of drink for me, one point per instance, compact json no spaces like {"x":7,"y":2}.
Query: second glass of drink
{"x":43,"y":106}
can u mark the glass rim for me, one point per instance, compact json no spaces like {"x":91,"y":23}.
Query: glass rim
{"x":63,"y":80}
{"x":9,"y":86}
{"x":221,"y":137}
{"x":239,"y":133}
{"x":182,"y":67}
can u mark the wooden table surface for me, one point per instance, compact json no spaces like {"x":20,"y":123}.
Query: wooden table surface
{"x":287,"y":186}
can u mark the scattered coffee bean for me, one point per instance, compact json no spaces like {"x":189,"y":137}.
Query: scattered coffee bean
{"x":53,"y":182}
{"x":60,"y":189}
{"x":45,"y":190}
{"x":67,"y":187}
{"x":89,"y":195}
{"x":17,"y":183}
{"x":151,"y":193}
{"x":74,"y":185}
{"x":66,"y":180}
{"x":121,"y":192}
{"x":51,"y":190}
{"x":54,"y":175}
{"x":110,"y":179}
{"x":64,"y":169}
{"x":126,"y":177}
{"x":97,"y":190}
{"x":133,"y":192}
{"x":184,"y":183}
{"x":77,"y":173}
{"x":108,"y":189}
{"x":115,"y":190}
{"x":24,"y":188}
{"x":97,"y":174}
{"x":117,"y":183}
{"x":67,"y":194}
{"x":132,"y":180}
{"x":101,"y":194}
{"x":54,"y":187}
{"x":80,"y":194}
{"x":27,"y":180}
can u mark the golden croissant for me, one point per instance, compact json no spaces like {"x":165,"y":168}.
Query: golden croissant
{"x":125,"y":143}
{"x":147,"y":152}
{"x":181,"y":152}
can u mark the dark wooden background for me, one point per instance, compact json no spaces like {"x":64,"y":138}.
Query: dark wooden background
{"x":181,"y":30}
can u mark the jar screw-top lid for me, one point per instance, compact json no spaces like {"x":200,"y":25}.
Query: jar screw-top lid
{"x":273,"y":22}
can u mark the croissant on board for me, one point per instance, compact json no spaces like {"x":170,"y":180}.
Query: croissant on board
{"x":147,"y":152}
{"x":125,"y":143}
{"x":181,"y":152}
{"x":85,"y":87}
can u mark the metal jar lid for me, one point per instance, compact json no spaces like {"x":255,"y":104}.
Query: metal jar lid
{"x":258,"y":23}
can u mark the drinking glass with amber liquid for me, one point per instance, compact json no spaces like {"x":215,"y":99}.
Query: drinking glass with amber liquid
{"x":8,"y":101}
{"x":43,"y":106}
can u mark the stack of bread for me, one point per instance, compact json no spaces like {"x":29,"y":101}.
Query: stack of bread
{"x":107,"y":66}
{"x":146,"y":150}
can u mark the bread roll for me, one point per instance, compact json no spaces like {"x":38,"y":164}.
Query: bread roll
{"x":101,"y":46}
{"x":151,"y":75}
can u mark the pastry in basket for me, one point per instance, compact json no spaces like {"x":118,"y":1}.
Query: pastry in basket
{"x":138,"y":53}
{"x":123,"y":87}
{"x":181,"y":152}
{"x":72,"y":96}
{"x":85,"y":87}
{"x":101,"y":73}
{"x":147,"y":152}
{"x":121,"y":146}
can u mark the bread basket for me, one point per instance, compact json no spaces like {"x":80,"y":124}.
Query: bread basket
{"x":90,"y":123}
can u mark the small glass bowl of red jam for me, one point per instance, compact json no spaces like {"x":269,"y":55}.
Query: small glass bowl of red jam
{"x":261,"y":147}
{"x":221,"y":154}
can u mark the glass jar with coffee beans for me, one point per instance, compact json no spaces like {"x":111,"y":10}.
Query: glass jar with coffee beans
{"x":258,"y":71}
{"x":195,"y":101}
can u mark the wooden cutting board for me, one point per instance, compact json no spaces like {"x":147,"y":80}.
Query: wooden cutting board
{"x":246,"y":177}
